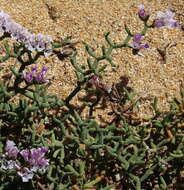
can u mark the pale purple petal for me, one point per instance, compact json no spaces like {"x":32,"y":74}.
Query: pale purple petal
{"x":145,"y":46}
{"x":137,"y":44}
{"x":143,"y":14}
{"x":11,"y":150}
{"x":25,"y":154}
{"x":169,"y":14}
{"x":159,"y":23}
{"x":25,"y":174}
{"x":9,"y":145}
{"x":28,"y":77}
{"x":35,"y":77}
{"x":165,"y":20}
{"x":137,"y":38}
{"x":40,"y":42}
{"x":160,"y":14}
{"x":141,"y":6}
{"x":9,"y":165}
{"x":34,"y":160}
{"x":38,"y":157}
{"x":4,"y":19}
{"x":33,"y":70}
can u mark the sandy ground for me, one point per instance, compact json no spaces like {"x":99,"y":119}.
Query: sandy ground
{"x":87,"y":20}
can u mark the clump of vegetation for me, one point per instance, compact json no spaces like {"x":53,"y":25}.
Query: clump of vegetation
{"x":45,"y":142}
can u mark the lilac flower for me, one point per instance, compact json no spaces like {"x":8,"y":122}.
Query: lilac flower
{"x":34,"y":160}
{"x":137,"y":38}
{"x":40,"y":76}
{"x":11,"y":150}
{"x":10,"y":156}
{"x":9,"y":164}
{"x":35,"y":77}
{"x":143,"y":14}
{"x":25,"y":174}
{"x":16,"y":31}
{"x":40,"y":42}
{"x":165,"y":20}
{"x":4,"y":18}
{"x":34,"y":70}
{"x":25,"y":154}
{"x":36,"y":157}
{"x":28,"y":77}
{"x":43,"y":42}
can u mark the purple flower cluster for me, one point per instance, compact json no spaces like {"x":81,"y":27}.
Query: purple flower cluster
{"x":11,"y":153}
{"x":33,"y":76}
{"x":34,"y":160}
{"x":165,"y":20}
{"x":137,"y":38}
{"x":35,"y":156}
{"x":39,"y":43}
{"x":162,"y":19}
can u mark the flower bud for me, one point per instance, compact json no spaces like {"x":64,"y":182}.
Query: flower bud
{"x":143,"y":14}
